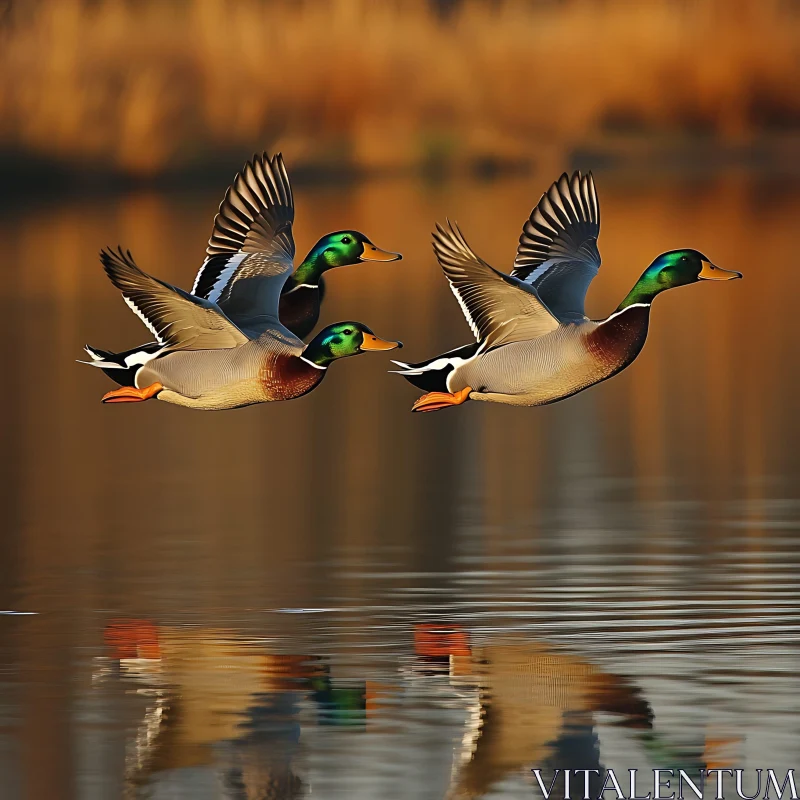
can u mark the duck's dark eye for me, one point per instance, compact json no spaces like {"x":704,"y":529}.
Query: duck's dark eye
{"x":348,"y":331}
{"x":346,"y":240}
{"x":684,"y":258}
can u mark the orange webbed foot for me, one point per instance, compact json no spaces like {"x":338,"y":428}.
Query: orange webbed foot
{"x":433,"y":401}
{"x":130,"y":394}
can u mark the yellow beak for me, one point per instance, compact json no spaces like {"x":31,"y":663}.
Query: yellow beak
{"x":711,"y":272}
{"x":372,"y":342}
{"x":372,"y":253}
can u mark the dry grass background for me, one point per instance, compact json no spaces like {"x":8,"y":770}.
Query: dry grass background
{"x":146,"y":86}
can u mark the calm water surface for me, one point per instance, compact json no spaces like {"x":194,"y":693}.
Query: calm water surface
{"x":333,"y":597}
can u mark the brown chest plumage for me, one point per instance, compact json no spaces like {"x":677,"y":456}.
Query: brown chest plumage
{"x":618,"y":341}
{"x":285,"y":377}
{"x":299,"y":310}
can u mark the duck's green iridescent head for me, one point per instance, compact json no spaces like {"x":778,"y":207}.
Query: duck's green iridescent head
{"x":675,"y":268}
{"x":340,"y":249}
{"x":679,"y":267}
{"x":342,"y":340}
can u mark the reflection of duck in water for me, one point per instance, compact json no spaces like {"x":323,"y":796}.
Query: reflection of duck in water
{"x":535,"y":706}
{"x":224,"y":702}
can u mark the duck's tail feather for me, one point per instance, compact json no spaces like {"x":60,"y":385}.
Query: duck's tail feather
{"x":98,"y":355}
{"x":122,"y":367}
{"x":431,"y":375}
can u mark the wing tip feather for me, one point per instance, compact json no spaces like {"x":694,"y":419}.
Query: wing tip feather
{"x":263,"y":187}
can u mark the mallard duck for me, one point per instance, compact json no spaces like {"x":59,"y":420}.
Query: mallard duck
{"x":304,"y":290}
{"x":223,"y":346}
{"x":205,"y":361}
{"x":534,"y":344}
{"x":257,"y":208}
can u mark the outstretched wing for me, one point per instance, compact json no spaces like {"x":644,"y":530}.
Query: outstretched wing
{"x":498,"y":307}
{"x":557,"y":253}
{"x":251,"y":250}
{"x":178,"y":320}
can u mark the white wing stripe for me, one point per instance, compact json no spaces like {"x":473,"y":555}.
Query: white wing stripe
{"x":225,"y":276}
{"x":465,"y":310}
{"x":198,"y":276}
{"x":542,"y":268}
{"x":133,"y":307}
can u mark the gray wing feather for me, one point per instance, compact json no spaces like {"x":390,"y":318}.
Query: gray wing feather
{"x":499,"y":308}
{"x":251,"y":250}
{"x":178,"y":320}
{"x":557,"y":253}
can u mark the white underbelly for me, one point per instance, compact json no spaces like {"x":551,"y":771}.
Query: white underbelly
{"x":531,"y":373}
{"x":207,"y":379}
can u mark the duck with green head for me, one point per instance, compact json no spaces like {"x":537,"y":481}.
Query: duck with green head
{"x":303,"y":291}
{"x":256,"y":218}
{"x":207,"y":362}
{"x":252,"y":244}
{"x":534,"y":344}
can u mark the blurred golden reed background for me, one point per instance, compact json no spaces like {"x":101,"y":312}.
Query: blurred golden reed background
{"x":148,"y":87}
